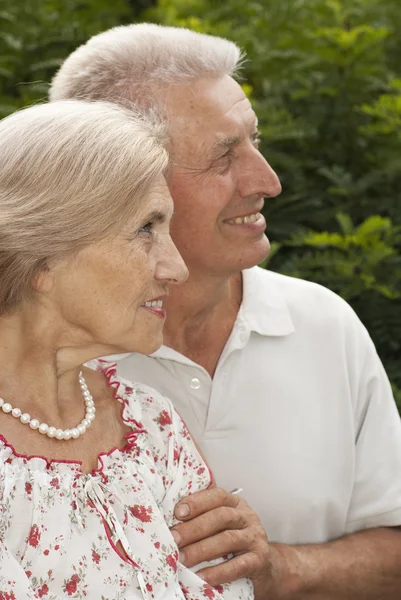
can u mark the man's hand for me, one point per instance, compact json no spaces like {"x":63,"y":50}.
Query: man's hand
{"x":217,"y":523}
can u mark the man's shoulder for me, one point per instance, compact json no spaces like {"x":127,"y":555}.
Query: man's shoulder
{"x":293,"y":289}
{"x":306,"y":301}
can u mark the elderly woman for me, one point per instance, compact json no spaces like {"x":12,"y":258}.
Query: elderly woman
{"x":91,"y":466}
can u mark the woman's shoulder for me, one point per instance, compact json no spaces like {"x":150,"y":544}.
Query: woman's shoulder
{"x":141,"y":402}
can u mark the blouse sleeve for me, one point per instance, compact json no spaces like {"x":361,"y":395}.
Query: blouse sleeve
{"x":182,"y":468}
{"x":186,"y":473}
{"x":14,"y":582}
{"x":181,"y":471}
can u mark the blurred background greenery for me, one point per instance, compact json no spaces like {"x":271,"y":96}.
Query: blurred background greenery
{"x":325,"y":79}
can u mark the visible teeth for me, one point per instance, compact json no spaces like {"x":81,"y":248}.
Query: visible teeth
{"x":154,"y":304}
{"x":244,"y":220}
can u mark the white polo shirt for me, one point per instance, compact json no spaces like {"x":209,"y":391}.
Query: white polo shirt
{"x":299,"y":414}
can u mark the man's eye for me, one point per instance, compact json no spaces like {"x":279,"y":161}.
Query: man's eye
{"x":227,"y":155}
{"x":255,"y":139}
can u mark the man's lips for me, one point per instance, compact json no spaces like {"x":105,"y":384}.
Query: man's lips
{"x":250,"y":218}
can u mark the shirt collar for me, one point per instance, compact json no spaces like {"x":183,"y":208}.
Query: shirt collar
{"x":264,"y":308}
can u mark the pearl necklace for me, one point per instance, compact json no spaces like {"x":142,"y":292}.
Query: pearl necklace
{"x":53,"y":432}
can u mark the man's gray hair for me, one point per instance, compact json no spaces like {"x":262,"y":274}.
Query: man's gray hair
{"x":130,"y":64}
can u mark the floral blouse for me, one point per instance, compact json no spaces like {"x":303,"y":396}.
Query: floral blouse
{"x":105,"y":535}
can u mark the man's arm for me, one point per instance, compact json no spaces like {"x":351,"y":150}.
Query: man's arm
{"x":361,"y":566}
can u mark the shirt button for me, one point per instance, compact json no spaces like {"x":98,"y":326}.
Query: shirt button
{"x":195,"y":384}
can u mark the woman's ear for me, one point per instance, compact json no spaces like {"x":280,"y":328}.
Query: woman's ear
{"x":43,"y":281}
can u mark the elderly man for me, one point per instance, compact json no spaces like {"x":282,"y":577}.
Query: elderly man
{"x":276,"y":378}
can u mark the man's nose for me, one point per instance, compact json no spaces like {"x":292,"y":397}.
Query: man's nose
{"x":257,"y":178}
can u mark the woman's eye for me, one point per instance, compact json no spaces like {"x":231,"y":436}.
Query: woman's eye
{"x":148,"y":228}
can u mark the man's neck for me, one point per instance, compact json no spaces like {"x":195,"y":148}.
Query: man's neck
{"x":200,"y":317}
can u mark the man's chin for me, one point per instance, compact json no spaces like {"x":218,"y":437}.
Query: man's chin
{"x":256,"y":256}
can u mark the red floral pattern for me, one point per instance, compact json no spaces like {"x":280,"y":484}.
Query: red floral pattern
{"x":34,"y":536}
{"x":71,"y":586}
{"x":43,"y":591}
{"x":88,"y":536}
{"x":142,"y":513}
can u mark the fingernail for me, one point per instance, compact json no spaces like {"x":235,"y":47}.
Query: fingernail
{"x":176,"y":536}
{"x":181,"y":557}
{"x":182,"y":510}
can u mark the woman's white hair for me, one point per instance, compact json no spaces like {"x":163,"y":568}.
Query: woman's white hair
{"x":130,"y":64}
{"x":71,"y":173}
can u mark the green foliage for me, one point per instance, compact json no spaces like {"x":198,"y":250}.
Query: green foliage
{"x":324,"y":78}
{"x":36,"y":36}
{"x":352,"y":261}
{"x":361,"y":263}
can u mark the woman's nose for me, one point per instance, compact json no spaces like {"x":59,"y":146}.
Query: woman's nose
{"x":171,"y":267}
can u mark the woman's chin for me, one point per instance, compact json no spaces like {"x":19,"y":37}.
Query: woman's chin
{"x":146,"y":348}
{"x":127,"y":346}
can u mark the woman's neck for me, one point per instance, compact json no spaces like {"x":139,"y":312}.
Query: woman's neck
{"x":39,"y":370}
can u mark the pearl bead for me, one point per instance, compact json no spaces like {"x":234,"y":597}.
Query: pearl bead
{"x":53,"y":432}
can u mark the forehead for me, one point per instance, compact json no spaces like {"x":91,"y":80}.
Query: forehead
{"x":208,"y":111}
{"x":158,"y":201}
{"x":156,"y":205}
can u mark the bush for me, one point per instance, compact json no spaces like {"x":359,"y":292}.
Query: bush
{"x":37,"y":35}
{"x":324,"y":77}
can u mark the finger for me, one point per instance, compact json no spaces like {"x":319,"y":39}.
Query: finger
{"x":217,"y":546}
{"x":243,"y":565}
{"x":204,"y":501}
{"x":210,"y":524}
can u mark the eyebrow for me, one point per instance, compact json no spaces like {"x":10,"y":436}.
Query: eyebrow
{"x":226,"y":143}
{"x":155,"y":216}
{"x":158,"y":216}
{"x":229,"y":142}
